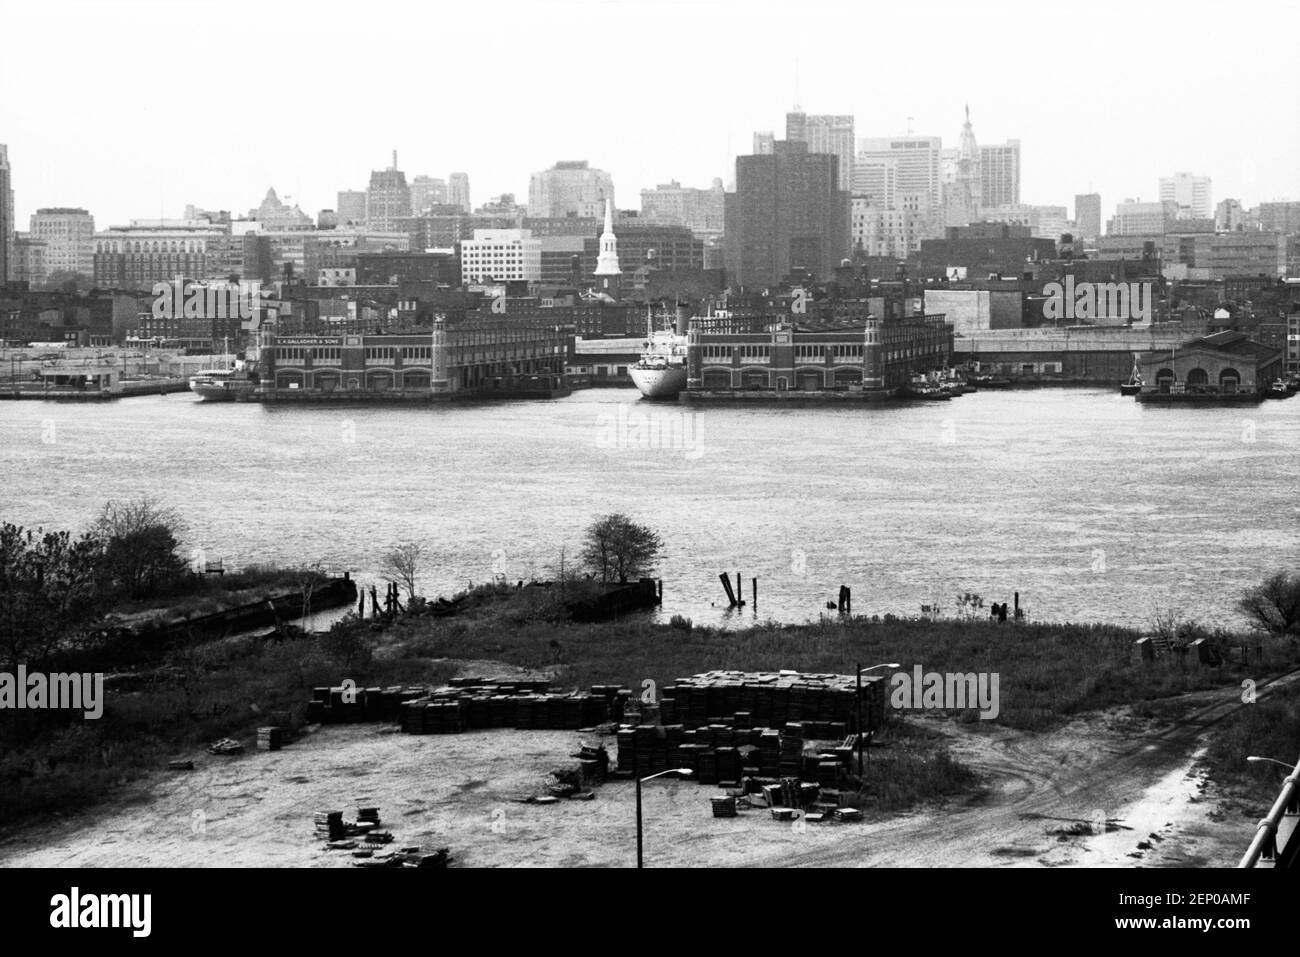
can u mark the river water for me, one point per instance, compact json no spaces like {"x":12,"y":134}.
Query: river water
{"x":1091,"y":506}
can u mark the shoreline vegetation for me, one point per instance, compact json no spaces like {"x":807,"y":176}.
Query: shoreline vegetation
{"x":166,"y":708}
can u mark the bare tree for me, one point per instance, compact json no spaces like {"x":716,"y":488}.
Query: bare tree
{"x":1274,"y":605}
{"x":141,"y":541}
{"x":403,"y":564}
{"x":617,"y":548}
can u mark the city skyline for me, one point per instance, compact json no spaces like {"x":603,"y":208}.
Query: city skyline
{"x":222,"y":158}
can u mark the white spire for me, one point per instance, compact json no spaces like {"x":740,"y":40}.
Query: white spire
{"x":607,"y":261}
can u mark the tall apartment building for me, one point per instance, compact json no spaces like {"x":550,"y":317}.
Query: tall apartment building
{"x":458,"y":191}
{"x":876,"y":181}
{"x":425,"y":192}
{"x":29,"y":261}
{"x":8,"y":234}
{"x":1087,"y":215}
{"x":881,"y":231}
{"x":351,"y":206}
{"x":916,"y":162}
{"x":69,"y":237}
{"x":501,"y":255}
{"x":701,"y":210}
{"x":388,"y":199}
{"x":764,"y":143}
{"x":788,"y":211}
{"x":1191,"y":194}
{"x":825,"y":134}
{"x":1000,"y":174}
{"x":570,"y":188}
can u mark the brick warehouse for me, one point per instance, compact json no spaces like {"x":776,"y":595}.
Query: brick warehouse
{"x":727,"y":353}
{"x":468,"y":357}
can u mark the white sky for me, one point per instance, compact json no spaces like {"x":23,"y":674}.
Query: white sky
{"x":133,"y":108}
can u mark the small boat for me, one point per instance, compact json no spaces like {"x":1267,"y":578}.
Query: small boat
{"x":1134,"y":384}
{"x":990,"y":382}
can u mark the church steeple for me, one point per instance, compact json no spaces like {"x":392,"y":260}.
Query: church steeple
{"x":607,"y":261}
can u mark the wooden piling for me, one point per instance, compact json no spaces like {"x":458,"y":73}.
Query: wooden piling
{"x":753,"y":584}
{"x":726,"y":586}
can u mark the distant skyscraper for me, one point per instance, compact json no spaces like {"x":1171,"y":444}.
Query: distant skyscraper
{"x":1136,"y":218}
{"x":351,"y":206}
{"x":427,"y":191}
{"x":7,"y":233}
{"x":763,"y":143}
{"x":916,"y":161}
{"x":1087,"y":215}
{"x":876,"y":181}
{"x":825,"y":134}
{"x":1229,"y":217}
{"x":458,"y":191}
{"x":787,"y":211}
{"x":570,"y":188}
{"x":69,"y":237}
{"x":1191,"y":193}
{"x":388,"y":199}
{"x":1000,"y":174}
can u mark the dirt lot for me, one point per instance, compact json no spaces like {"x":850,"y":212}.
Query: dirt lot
{"x":463,"y":791}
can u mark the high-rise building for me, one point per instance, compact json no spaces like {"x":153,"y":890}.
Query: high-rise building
{"x":388,"y":199}
{"x":569,"y":188}
{"x":876,"y":181}
{"x":351,"y":206}
{"x":825,"y":134}
{"x":8,"y":235}
{"x":788,"y":211}
{"x":881,"y":231}
{"x":69,"y":237}
{"x":458,"y":191}
{"x":1087,"y":215}
{"x":963,"y":193}
{"x":699,"y":209}
{"x":916,"y":161}
{"x":763,"y":143}
{"x":1190,"y":193}
{"x":425,"y":192}
{"x":1000,"y":174}
{"x":29,"y":261}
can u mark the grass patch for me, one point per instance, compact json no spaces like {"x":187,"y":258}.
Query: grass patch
{"x":1269,"y":728}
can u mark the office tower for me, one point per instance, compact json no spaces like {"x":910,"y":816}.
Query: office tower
{"x":763,"y":143}
{"x":1000,"y":174}
{"x":1190,"y":193}
{"x":458,"y":191}
{"x":915,"y":160}
{"x":1087,"y":215}
{"x":351,"y":206}
{"x":825,"y":134}
{"x":570,"y":188}
{"x":425,"y":192}
{"x":7,"y":234}
{"x":388,"y":199}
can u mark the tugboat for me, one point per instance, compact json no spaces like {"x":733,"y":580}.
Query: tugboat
{"x":1278,"y":390}
{"x":919,"y":387}
{"x":1134,"y":384}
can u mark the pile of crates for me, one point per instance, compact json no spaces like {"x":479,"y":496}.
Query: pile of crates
{"x":467,"y":704}
{"x":771,"y":699}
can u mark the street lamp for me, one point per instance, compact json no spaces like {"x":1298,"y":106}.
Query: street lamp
{"x":1254,"y":758}
{"x":682,"y":772}
{"x":858,"y":677}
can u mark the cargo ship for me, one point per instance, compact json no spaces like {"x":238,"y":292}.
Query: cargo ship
{"x":661,"y":371}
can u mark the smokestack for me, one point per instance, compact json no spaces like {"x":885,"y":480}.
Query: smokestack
{"x":394,"y":159}
{"x":683,"y":318}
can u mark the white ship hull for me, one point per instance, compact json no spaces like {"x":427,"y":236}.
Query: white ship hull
{"x":209,"y":390}
{"x":664,"y":383}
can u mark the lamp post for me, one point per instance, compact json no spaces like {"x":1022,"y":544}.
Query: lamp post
{"x":858,"y":677}
{"x":683,"y":772}
{"x":1254,"y":758}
